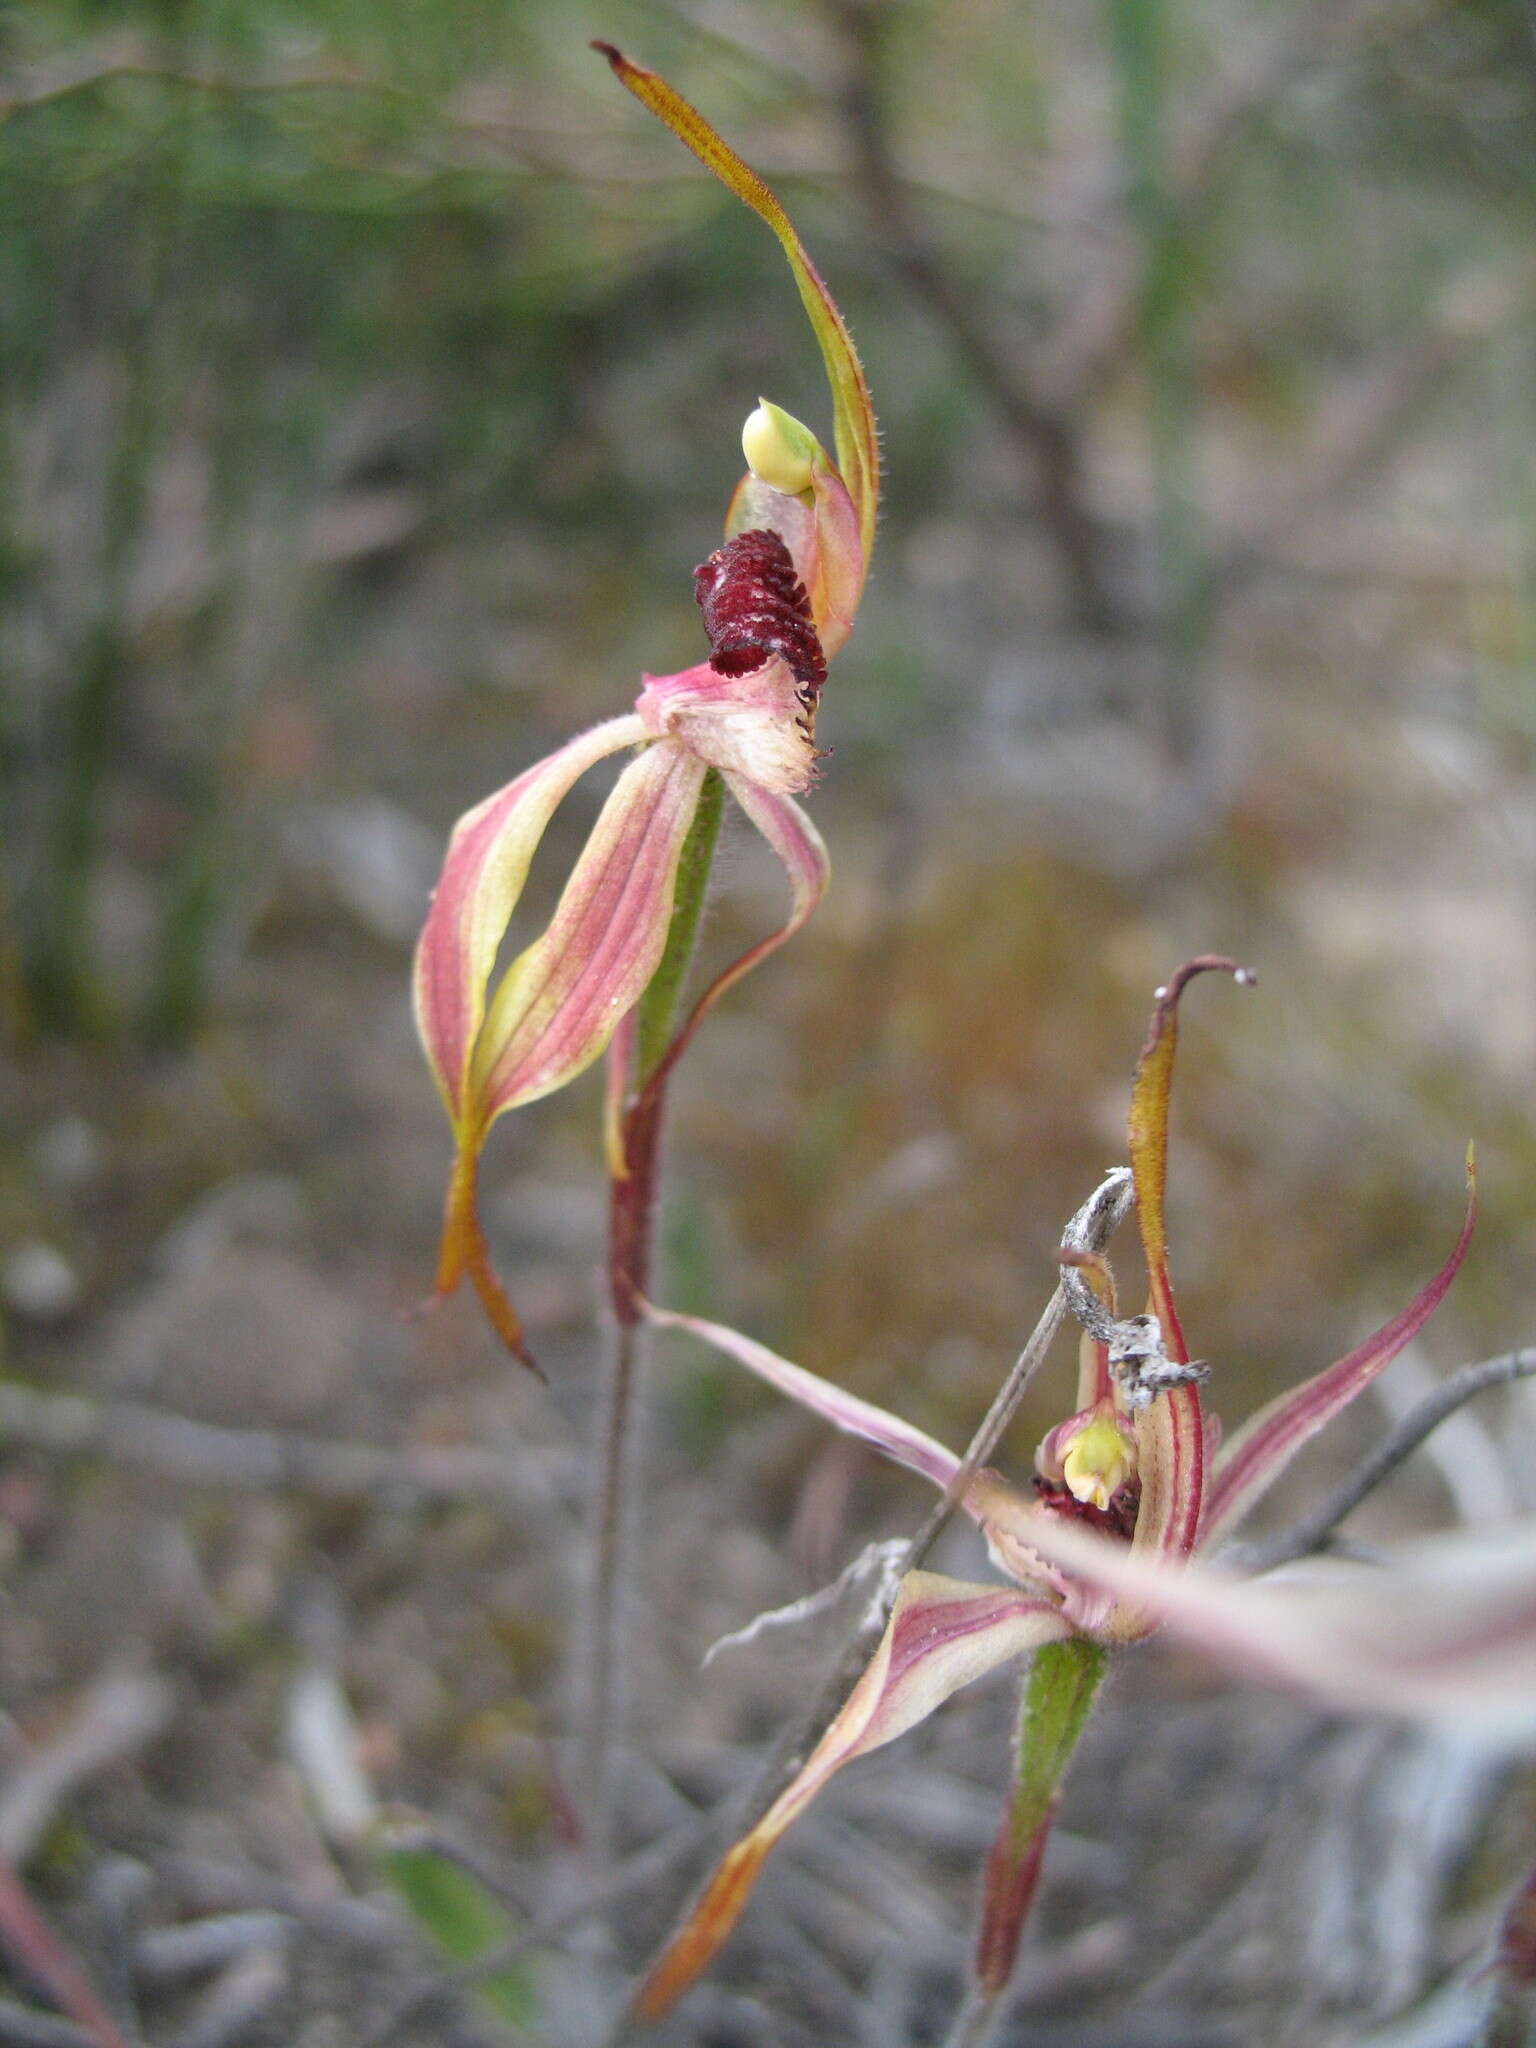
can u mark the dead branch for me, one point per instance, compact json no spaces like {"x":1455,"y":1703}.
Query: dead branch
{"x":1365,"y":421}
{"x":1048,"y":436}
{"x":1314,"y":1531}
{"x":119,"y":1714}
{"x":265,"y":1461}
{"x":1093,"y":337}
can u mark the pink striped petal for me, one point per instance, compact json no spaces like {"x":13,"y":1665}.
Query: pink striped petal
{"x":1446,"y":1631}
{"x":559,"y":1002}
{"x":483,"y":875}
{"x":561,"y":999}
{"x":1005,"y":1516}
{"x":942,"y":1635}
{"x":899,"y":1440}
{"x":1253,"y":1458}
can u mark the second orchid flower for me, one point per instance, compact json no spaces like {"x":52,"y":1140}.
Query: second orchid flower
{"x":1125,"y":1492}
{"x":778,"y":601}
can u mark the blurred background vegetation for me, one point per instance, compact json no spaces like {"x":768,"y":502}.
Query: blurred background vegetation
{"x":371,"y":383}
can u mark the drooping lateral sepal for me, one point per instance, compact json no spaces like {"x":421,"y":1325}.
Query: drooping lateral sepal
{"x":942,"y":1635}
{"x":558,"y":1004}
{"x":484,"y":870}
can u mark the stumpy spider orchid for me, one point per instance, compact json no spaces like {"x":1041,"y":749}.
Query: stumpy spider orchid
{"x":1126,"y":1490}
{"x":778,"y":601}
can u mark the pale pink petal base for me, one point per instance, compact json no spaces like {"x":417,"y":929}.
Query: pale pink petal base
{"x":1446,"y":1631}
{"x":754,"y":726}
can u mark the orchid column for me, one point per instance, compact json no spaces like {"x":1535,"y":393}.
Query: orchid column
{"x":778,"y":601}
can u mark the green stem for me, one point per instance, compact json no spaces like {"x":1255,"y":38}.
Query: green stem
{"x":631,"y":1227}
{"x":656,"y":1013}
{"x":1053,"y":1712}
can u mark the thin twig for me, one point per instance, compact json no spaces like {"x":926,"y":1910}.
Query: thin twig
{"x":23,"y":2026}
{"x":120,"y":1713}
{"x":1050,"y":437}
{"x":191,"y":1948}
{"x":243,"y":1993}
{"x":83,"y":75}
{"x":1364,"y":422}
{"x":1314,"y":1530}
{"x":261,"y":1460}
{"x":1089,"y":1231}
{"x":33,"y":1944}
{"x":1091,"y":339}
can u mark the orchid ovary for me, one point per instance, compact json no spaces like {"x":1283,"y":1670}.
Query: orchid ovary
{"x":778,"y":600}
{"x":1125,"y":1493}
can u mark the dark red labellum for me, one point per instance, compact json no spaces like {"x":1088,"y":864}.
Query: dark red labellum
{"x":1118,"y":1519}
{"x":755,"y":606}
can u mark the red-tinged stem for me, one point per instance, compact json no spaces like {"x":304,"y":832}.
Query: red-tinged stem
{"x":1053,"y":1712}
{"x":631,"y":1217}
{"x":38,"y":1950}
{"x":632,"y":1197}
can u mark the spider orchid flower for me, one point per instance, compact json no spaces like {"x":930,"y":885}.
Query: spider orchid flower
{"x":1126,"y":1490}
{"x":778,"y":599}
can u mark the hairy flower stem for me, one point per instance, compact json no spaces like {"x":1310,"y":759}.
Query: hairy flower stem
{"x":1053,"y":1711}
{"x":631,"y":1230}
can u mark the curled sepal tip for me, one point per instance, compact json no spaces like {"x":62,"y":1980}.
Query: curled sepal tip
{"x":1150,"y":1092}
{"x":858,"y":454}
{"x":464,"y":1255}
